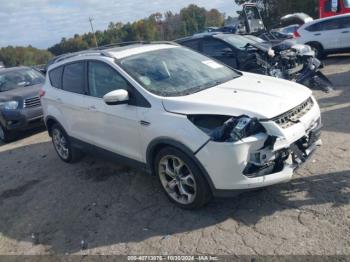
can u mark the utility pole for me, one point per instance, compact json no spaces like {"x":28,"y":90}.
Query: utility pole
{"x":93,"y":31}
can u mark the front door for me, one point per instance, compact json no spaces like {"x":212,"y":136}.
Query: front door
{"x":114,"y":127}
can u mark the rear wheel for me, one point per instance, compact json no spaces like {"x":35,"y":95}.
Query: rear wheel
{"x":318,"y":49}
{"x":182,"y":181}
{"x":63,"y":146}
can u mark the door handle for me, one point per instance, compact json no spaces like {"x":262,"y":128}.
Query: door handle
{"x":59,"y":100}
{"x":345,"y":32}
{"x":318,"y":34}
{"x":92,"y":108}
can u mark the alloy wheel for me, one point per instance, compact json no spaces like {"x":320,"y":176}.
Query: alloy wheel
{"x":177,"y":179}
{"x":60,"y":143}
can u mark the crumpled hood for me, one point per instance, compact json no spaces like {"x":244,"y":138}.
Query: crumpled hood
{"x":252,"y":95}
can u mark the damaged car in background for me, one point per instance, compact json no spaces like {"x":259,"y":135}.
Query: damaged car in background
{"x":280,"y":59}
{"x":202,"y":128}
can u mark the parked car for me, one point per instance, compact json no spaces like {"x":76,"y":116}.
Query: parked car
{"x":204,"y":129}
{"x":20,"y":106}
{"x":285,"y":32}
{"x":326,"y":36}
{"x":281,"y":59}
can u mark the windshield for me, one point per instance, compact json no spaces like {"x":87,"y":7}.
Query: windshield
{"x":19,"y":78}
{"x":176,"y":71}
{"x":241,"y":42}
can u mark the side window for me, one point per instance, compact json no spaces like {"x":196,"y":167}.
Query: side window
{"x":328,"y":6}
{"x":73,"y":78}
{"x":344,"y":22}
{"x":104,"y":79}
{"x":55,"y":76}
{"x":193,"y":44}
{"x":332,"y":24}
{"x":212,"y":47}
{"x":313,"y":28}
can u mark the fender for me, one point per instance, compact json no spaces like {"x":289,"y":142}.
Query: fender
{"x":165,"y":141}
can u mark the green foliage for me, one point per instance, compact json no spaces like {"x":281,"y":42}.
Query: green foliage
{"x":15,"y":56}
{"x":158,"y":26}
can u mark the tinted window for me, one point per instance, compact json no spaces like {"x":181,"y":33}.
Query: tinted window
{"x":104,"y":79}
{"x":193,"y":44}
{"x":332,"y":24}
{"x":347,"y":3}
{"x":56,"y":77}
{"x":73,"y":78}
{"x":344,"y":22}
{"x":212,"y":47}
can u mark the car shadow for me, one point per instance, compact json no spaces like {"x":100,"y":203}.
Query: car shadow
{"x":107,"y":203}
{"x":26,"y":133}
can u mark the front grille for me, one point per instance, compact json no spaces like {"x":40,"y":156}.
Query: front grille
{"x":292,"y":117}
{"x":31,"y":102}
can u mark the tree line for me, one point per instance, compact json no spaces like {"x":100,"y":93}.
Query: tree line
{"x":167,"y":26}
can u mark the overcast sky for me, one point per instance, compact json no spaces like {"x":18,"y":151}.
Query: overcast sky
{"x":43,"y":23}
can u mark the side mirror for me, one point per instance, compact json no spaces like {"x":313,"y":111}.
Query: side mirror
{"x":116,"y":97}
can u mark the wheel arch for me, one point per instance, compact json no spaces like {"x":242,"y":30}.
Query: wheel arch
{"x":159,"y":143}
{"x":50,"y":121}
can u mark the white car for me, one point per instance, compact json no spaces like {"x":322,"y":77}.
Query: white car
{"x":205,"y":129}
{"x":326,"y":36}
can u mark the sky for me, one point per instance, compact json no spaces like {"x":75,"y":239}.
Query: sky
{"x":42,"y":23}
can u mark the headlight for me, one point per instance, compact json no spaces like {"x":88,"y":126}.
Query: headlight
{"x":9,"y":105}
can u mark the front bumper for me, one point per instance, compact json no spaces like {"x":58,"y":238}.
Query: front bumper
{"x":230,"y":166}
{"x":21,"y":119}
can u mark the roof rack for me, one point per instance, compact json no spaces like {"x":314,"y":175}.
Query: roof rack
{"x":121,"y":44}
{"x":101,"y":50}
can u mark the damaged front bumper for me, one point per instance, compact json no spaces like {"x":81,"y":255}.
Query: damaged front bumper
{"x":263,"y":159}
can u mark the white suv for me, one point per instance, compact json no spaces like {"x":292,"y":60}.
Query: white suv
{"x":326,"y":36}
{"x":203,"y":128}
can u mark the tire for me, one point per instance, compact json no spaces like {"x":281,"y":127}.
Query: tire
{"x":63,"y":146}
{"x":181,"y":179}
{"x":5,"y":135}
{"x":319,"y":51}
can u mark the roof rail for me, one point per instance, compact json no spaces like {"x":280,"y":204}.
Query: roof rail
{"x":81,"y":53}
{"x":100,"y":50}
{"x":121,"y":44}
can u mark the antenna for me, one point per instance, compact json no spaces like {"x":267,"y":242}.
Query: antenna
{"x":92,"y":29}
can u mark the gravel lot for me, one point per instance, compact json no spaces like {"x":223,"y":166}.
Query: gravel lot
{"x":117,"y":210}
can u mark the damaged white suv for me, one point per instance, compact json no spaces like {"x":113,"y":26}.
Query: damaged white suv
{"x":204,"y":129}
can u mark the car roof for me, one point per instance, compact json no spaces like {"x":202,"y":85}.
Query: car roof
{"x":207,"y":34}
{"x":325,"y":19}
{"x":114,"y":51}
{"x":11,"y":69}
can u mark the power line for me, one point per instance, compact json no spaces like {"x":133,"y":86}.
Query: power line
{"x":93,"y":31}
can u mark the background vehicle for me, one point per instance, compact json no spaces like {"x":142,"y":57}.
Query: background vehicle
{"x":329,"y":8}
{"x":285,"y":32}
{"x":249,"y":53}
{"x":204,"y":129}
{"x":20,"y":106}
{"x":326,"y":36}
{"x":2,"y":65}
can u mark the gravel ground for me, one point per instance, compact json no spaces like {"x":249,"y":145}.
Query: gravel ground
{"x":49,"y":207}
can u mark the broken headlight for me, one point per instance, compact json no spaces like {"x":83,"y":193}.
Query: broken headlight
{"x":227,"y":129}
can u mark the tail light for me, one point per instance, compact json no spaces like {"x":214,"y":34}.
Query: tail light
{"x":41,"y":93}
{"x":296,"y":34}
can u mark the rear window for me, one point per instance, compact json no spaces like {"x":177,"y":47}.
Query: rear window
{"x":193,"y":44}
{"x":73,"y":78}
{"x":55,"y":76}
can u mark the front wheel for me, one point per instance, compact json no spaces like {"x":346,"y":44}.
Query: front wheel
{"x":62,"y":145}
{"x":182,"y":181}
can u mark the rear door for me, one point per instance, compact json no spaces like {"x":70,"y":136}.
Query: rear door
{"x":72,"y":99}
{"x":326,"y":32}
{"x":344,"y":37}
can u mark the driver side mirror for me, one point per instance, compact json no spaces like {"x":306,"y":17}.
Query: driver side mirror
{"x":116,"y":97}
